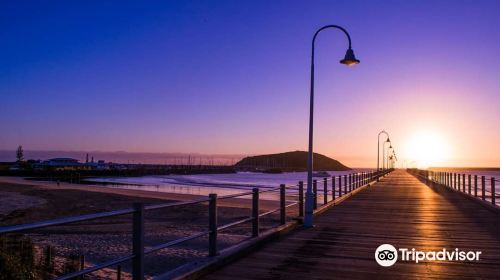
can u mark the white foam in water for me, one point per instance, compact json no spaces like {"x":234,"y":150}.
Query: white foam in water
{"x":222,"y":184}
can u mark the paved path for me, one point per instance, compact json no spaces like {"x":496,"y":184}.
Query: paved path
{"x":399,"y":210}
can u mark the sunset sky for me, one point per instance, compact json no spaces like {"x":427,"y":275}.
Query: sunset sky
{"x":232,"y":77}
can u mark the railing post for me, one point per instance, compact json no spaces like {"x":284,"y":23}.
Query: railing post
{"x":463,"y":182}
{"x":455,"y":181}
{"x":492,"y":184}
{"x":483,"y":187}
{"x":138,"y":242}
{"x":255,"y":212}
{"x":301,"y":199}
{"x":350,"y":182}
{"x":458,"y":182}
{"x":82,"y":266}
{"x":475,"y":185}
{"x":282,"y":205}
{"x":325,"y":191}
{"x":315,"y":190}
{"x":119,"y":272}
{"x":470,"y":186}
{"x":340,"y":185}
{"x":212,"y":224}
{"x":333,"y":187}
{"x":345,"y":184}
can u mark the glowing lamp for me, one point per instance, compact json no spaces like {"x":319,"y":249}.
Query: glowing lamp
{"x":349,"y":58}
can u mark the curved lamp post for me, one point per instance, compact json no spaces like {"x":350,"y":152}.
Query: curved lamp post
{"x":394,"y":158}
{"x":349,"y":59}
{"x":378,"y":147}
{"x":384,"y":153}
{"x":387,"y":156}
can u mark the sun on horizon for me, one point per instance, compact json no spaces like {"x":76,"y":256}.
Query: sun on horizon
{"x":427,"y":148}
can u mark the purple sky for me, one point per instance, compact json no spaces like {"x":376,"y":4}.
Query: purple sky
{"x":232,"y":77}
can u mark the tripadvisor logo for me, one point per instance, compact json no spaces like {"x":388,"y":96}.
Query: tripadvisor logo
{"x":387,"y":255}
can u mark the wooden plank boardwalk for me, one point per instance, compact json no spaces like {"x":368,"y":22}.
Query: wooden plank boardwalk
{"x":399,"y":210}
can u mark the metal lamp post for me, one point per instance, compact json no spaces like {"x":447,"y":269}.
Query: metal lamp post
{"x":388,"y":153}
{"x":349,"y":59}
{"x":384,"y":153}
{"x":378,"y":147}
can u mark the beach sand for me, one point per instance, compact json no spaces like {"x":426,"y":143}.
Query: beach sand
{"x":108,"y":238}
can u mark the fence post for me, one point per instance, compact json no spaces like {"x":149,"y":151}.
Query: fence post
{"x":255,"y":212}
{"x":301,"y":199}
{"x":82,"y":265}
{"x":333,"y":187}
{"x":138,"y":242}
{"x":119,"y":272}
{"x":475,"y":185}
{"x":350,"y":183}
{"x":492,"y":184}
{"x":470,"y":186}
{"x":315,"y":190}
{"x":212,"y":224}
{"x":325,"y":191}
{"x":345,"y":184}
{"x":282,"y":205}
{"x":483,"y":187}
{"x":340,"y":185}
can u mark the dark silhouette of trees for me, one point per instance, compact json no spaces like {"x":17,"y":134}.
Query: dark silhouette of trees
{"x":20,"y":154}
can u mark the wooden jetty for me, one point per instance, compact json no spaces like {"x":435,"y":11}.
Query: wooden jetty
{"x":399,"y":210}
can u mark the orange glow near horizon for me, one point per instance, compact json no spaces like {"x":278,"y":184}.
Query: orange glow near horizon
{"x":427,"y":148}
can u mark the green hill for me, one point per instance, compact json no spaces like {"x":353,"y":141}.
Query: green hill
{"x":289,"y":161}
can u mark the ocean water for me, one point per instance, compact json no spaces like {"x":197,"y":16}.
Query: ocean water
{"x":204,"y":184}
{"x":228,"y":184}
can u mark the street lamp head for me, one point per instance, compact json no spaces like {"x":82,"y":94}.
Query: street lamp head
{"x":349,"y":58}
{"x":388,"y":140}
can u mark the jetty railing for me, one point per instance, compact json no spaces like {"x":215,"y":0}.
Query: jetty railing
{"x":480,"y":187}
{"x":334,"y":188}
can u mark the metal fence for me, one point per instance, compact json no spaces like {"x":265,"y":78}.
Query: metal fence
{"x":477,"y":186}
{"x":334,"y":188}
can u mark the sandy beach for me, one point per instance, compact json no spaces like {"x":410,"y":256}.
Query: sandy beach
{"x":100,"y":240}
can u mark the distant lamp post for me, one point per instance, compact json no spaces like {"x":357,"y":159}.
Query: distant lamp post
{"x":392,"y":150}
{"x":384,"y":154}
{"x":349,"y":60}
{"x":378,"y":147}
{"x":388,"y":152}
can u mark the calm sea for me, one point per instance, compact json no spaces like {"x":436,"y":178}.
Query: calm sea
{"x":204,"y":184}
{"x":225,"y":184}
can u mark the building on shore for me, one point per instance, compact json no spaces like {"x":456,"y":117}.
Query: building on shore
{"x":62,"y":164}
